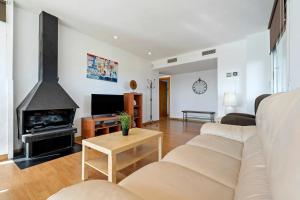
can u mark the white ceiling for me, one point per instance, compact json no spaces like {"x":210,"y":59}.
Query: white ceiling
{"x":200,"y":65}
{"x":164,"y":27}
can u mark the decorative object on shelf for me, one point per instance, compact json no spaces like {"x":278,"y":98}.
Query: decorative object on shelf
{"x":151,"y":86}
{"x":125,"y":123}
{"x":230,"y":101}
{"x":101,"y":68}
{"x":199,"y":86}
{"x":134,"y":110}
{"x":133,"y":124}
{"x":133,"y":85}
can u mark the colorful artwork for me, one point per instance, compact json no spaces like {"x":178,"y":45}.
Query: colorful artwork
{"x":101,"y":68}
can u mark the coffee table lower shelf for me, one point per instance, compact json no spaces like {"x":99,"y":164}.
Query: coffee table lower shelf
{"x":123,"y":160}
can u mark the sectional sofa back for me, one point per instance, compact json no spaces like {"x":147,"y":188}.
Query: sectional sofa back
{"x":278,"y":126}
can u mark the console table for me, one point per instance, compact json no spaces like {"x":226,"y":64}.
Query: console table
{"x":210,"y":115}
{"x":90,"y":125}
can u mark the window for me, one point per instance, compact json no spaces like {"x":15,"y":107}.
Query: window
{"x":279,"y":66}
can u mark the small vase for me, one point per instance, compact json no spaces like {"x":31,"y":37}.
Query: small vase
{"x":125,"y":131}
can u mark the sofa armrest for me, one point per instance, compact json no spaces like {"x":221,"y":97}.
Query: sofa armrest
{"x":242,"y":115}
{"x":94,"y":190}
{"x":238,"y":120}
{"x":238,"y":133}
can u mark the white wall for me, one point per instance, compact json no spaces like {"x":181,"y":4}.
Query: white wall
{"x":3,"y":92}
{"x":183,"y":58}
{"x":232,"y":58}
{"x":182,"y":96}
{"x":293,"y":29}
{"x":9,"y":61}
{"x":72,"y":70}
{"x":248,"y":57}
{"x":73,"y":47}
{"x":258,"y":72}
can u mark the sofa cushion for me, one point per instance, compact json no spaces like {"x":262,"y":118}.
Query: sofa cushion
{"x":165,"y":180}
{"x":217,"y":166}
{"x":253,"y":184}
{"x":252,"y":146}
{"x":94,"y":190}
{"x":253,"y":181}
{"x":223,"y":145}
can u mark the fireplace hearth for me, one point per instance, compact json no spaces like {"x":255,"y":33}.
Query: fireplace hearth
{"x":45,"y":117}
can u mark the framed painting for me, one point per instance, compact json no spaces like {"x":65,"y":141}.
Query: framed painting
{"x":101,"y":68}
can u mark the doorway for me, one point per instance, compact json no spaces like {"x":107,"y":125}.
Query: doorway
{"x":164,"y":97}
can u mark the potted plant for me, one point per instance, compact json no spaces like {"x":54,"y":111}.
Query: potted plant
{"x":125,"y":123}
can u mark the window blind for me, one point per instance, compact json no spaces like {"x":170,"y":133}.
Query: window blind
{"x":2,"y":11}
{"x":277,"y":22}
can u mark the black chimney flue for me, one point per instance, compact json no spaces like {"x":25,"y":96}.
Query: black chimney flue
{"x":48,"y":47}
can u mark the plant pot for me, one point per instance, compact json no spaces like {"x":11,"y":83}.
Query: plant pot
{"x":125,"y":131}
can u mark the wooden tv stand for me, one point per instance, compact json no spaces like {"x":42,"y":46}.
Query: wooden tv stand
{"x":91,"y":125}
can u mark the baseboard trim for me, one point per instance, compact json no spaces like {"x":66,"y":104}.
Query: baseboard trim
{"x":4,"y":157}
{"x":176,"y":119}
{"x":148,"y":123}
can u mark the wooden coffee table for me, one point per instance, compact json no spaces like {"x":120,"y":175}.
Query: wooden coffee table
{"x":120,"y":151}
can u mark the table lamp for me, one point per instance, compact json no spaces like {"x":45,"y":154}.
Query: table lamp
{"x":230,"y":101}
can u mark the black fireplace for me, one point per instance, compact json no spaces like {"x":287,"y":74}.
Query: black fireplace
{"x":46,"y":115}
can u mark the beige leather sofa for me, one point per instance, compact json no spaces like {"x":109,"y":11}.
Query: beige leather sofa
{"x":224,"y":162}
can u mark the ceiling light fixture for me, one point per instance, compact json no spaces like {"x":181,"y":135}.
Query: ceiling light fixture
{"x":115,"y":37}
{"x":149,"y":53}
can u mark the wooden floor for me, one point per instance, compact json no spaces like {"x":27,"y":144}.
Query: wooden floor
{"x":41,"y":181}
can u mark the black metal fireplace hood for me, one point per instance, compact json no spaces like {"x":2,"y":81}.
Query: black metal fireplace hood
{"x":47,"y":94}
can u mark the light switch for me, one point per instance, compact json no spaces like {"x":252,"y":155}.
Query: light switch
{"x":228,"y":75}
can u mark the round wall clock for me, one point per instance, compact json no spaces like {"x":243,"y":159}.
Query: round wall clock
{"x":200,"y":86}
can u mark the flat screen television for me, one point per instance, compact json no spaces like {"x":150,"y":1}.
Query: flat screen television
{"x":107,"y":104}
